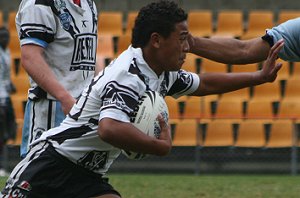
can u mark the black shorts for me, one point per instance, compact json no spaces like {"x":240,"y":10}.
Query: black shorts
{"x":45,"y":173}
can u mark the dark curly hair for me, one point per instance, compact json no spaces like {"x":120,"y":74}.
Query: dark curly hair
{"x":160,"y":17}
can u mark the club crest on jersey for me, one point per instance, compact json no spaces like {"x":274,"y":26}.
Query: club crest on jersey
{"x":64,"y":17}
{"x":84,"y":55}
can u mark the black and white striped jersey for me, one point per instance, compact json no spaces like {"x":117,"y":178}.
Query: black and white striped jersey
{"x":67,"y":32}
{"x":113,"y":93}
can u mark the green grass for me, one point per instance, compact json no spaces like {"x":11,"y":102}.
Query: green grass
{"x":207,"y":186}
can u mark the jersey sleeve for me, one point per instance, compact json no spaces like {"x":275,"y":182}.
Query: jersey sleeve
{"x":121,"y":95}
{"x":36,"y":24}
{"x":289,"y":31}
{"x":182,"y":83}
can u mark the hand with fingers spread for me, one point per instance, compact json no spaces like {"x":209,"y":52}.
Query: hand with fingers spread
{"x":270,"y":67}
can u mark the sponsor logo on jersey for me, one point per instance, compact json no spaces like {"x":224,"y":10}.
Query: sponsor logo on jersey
{"x":25,"y":186}
{"x":84,"y":56}
{"x":93,"y":160}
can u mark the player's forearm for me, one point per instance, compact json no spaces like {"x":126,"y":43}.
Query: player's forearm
{"x":230,"y":51}
{"x":126,"y":136}
{"x":39,"y":71}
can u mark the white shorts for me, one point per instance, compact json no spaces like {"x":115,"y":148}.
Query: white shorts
{"x":40,"y":116}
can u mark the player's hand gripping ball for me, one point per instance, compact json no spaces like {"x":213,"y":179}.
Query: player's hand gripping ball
{"x":145,"y":119}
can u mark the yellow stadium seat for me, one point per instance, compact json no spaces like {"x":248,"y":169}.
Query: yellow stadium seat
{"x":123,"y":43}
{"x":244,"y":68}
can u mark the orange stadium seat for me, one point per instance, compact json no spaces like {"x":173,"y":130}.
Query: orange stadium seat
{"x":292,"y":89}
{"x":219,"y":132}
{"x":289,"y":109}
{"x":230,"y":23}
{"x":186,"y":133}
{"x":1,"y":18}
{"x":258,"y":22}
{"x":244,"y":68}
{"x":123,"y":43}
{"x":281,"y":134}
{"x":267,"y":92}
{"x":110,"y":23}
{"x":251,"y":133}
{"x":130,"y":22}
{"x":229,"y":109}
{"x":257,"y":108}
{"x":11,"y":22}
{"x":201,"y":22}
{"x":285,"y":15}
{"x":105,"y":46}
{"x":208,"y":65}
{"x":238,"y":95}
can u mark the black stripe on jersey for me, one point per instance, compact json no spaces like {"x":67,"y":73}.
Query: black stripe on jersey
{"x":184,"y":82}
{"x":49,"y":115}
{"x":117,"y":96}
{"x":44,"y":2}
{"x":71,"y":133}
{"x":134,"y":69}
{"x":39,"y":31}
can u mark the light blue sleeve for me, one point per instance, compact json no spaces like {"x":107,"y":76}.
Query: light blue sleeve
{"x":290,"y":32}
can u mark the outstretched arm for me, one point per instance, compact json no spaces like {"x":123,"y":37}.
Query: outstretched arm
{"x":230,"y":50}
{"x":217,"y":83}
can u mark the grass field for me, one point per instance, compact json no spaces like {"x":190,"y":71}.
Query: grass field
{"x":208,"y":186}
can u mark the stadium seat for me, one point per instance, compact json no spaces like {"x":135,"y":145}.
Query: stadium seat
{"x":201,"y":22}
{"x":296,"y":70}
{"x":238,"y":95}
{"x":14,"y":46}
{"x":110,"y":23}
{"x":267,"y":92}
{"x":292,"y":89}
{"x":258,"y":22}
{"x":251,"y":133}
{"x":289,"y":109}
{"x":1,"y":18}
{"x":105,"y":46}
{"x":12,"y":22}
{"x":130,"y":22}
{"x":186,"y":133}
{"x":284,"y":72}
{"x":190,"y":63}
{"x":281,"y":134}
{"x":229,"y":23}
{"x":123,"y":43}
{"x":285,"y":15}
{"x":229,"y":109}
{"x":18,"y":102}
{"x":22,"y":84}
{"x":173,"y":106}
{"x":197,"y":107}
{"x":258,"y":109}
{"x":244,"y":68}
{"x":219,"y":132}
{"x":208,"y":65}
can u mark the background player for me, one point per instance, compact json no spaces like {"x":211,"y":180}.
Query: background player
{"x":71,"y":160}
{"x":58,"y":47}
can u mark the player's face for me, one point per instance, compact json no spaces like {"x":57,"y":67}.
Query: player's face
{"x":174,"y":48}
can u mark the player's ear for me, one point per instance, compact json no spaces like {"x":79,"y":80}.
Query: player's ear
{"x":155,"y":40}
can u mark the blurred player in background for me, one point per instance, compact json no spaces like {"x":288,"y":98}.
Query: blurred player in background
{"x":58,"y":47}
{"x":72,"y":160}
{"x":235,"y":51}
{"x":8,"y":124}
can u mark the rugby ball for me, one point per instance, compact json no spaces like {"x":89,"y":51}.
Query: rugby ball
{"x":144,"y":117}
